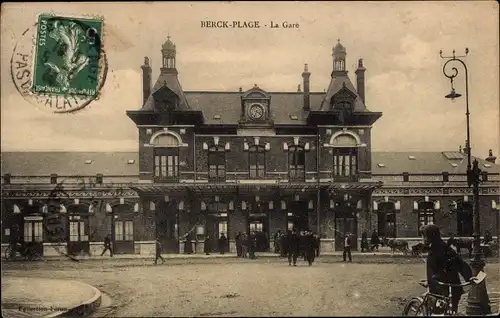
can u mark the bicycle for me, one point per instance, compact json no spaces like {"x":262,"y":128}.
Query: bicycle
{"x":427,"y":304}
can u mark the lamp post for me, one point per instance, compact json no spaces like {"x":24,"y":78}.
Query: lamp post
{"x":478,"y":300}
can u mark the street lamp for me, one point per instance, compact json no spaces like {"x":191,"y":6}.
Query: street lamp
{"x":478,"y":302}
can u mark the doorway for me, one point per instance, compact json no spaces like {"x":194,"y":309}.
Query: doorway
{"x":166,"y":227}
{"x":298,"y":215}
{"x":345,"y":222}
{"x":78,"y":235}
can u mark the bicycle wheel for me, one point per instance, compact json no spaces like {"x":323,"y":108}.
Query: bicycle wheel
{"x":414,"y":308}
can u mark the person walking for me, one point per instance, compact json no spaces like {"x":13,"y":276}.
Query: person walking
{"x":244,"y":245}
{"x":107,"y":245}
{"x":208,"y":245}
{"x":222,"y":243}
{"x":347,"y":247}
{"x":158,"y":251}
{"x":293,"y":247}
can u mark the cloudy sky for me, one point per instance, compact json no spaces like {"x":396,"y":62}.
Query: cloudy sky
{"x":399,"y":42}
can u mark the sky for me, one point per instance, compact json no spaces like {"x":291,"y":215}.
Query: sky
{"x":398,"y":41}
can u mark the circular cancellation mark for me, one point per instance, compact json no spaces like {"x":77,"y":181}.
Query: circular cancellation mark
{"x":22,"y":73}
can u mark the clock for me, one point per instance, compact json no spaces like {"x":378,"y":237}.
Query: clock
{"x":256,"y":111}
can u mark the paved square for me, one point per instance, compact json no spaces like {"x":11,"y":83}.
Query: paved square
{"x":234,"y":287}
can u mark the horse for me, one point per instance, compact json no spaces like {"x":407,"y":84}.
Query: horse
{"x":396,"y":245}
{"x":461,"y":243}
{"x":418,"y":249}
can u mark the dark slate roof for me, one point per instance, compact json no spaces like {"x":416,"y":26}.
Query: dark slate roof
{"x":115,"y":164}
{"x":425,"y":162}
{"x":338,"y":81}
{"x":69,"y":163}
{"x":170,"y":80}
{"x":228,"y":106}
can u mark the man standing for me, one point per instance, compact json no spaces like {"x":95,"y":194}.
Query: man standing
{"x":310,"y":247}
{"x":107,"y":245}
{"x":208,"y":245}
{"x":293,"y":247}
{"x":375,"y":242}
{"x":364,"y":242}
{"x":222,"y":243}
{"x":158,"y":251}
{"x":347,"y":247}
{"x":238,"y":240}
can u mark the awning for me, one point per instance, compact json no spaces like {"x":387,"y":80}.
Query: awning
{"x":355,"y":186}
{"x":247,"y":185}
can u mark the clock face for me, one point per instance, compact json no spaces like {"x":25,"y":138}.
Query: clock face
{"x":256,"y":111}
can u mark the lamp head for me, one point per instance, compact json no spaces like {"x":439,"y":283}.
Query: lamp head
{"x":452,"y":95}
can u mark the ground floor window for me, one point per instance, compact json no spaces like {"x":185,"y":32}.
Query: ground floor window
{"x":425,"y":217}
{"x":256,"y":226}
{"x":124,"y":230}
{"x":33,"y":231}
{"x":77,"y":231}
{"x":223,"y":228}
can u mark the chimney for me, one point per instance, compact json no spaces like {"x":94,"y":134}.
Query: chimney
{"x":491,"y":158}
{"x":146,"y":80}
{"x":305,"y":76}
{"x":360,"y":80}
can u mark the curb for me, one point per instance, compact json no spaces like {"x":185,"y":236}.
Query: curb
{"x":85,"y":308}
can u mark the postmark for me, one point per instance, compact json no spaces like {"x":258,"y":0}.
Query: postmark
{"x":59,"y":64}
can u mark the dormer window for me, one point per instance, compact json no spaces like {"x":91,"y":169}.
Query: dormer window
{"x":412,"y":157}
{"x":87,"y":162}
{"x":381,"y":165}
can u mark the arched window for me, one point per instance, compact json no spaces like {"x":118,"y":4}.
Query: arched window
{"x":256,"y":160}
{"x":425,"y":213}
{"x":166,"y":158}
{"x":345,"y":157}
{"x":296,"y":163}
{"x":217,"y":163}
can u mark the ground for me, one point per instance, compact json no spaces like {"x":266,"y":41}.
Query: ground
{"x":237,"y":287}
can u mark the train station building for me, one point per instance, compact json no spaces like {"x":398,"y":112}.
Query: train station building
{"x":251,"y":160}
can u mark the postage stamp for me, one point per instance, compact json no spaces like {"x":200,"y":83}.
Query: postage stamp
{"x":67,"y":55}
{"x":59,"y":64}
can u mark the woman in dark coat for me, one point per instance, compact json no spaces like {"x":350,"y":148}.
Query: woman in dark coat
{"x":444,"y":265}
{"x":222,"y":243}
{"x":208,"y":245}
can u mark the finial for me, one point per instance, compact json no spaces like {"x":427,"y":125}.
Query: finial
{"x":338,"y":41}
{"x":490,"y":153}
{"x":254,"y":85}
{"x":241,"y":89}
{"x":460,"y":148}
{"x":306,"y":69}
{"x":298,"y":88}
{"x":360,"y":63}
{"x":146,"y":61}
